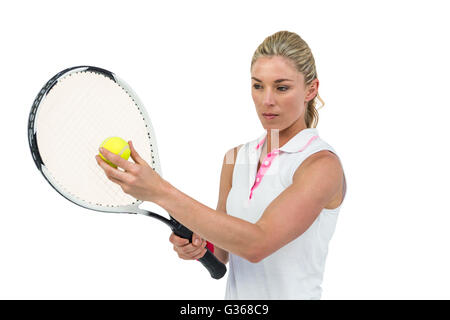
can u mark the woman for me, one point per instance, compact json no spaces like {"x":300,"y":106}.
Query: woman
{"x":279,"y":194}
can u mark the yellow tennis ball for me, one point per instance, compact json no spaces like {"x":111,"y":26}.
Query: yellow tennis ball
{"x":118,"y":146}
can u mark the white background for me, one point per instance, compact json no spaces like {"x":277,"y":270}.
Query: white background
{"x":383,"y":69}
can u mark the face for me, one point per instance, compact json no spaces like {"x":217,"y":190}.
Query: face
{"x":279,"y":93}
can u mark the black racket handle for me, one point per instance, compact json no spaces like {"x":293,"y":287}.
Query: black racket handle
{"x":216,"y":268}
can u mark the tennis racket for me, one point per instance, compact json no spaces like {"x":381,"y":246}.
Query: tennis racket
{"x":72,"y":114}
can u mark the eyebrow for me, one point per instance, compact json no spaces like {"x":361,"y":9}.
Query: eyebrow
{"x":276,"y":81}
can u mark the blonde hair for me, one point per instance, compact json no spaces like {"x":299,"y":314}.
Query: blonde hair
{"x":290,"y":45}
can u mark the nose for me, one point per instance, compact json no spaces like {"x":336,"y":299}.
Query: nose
{"x":269,"y":98}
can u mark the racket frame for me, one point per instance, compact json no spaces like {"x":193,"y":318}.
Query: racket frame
{"x":32,"y":140}
{"x":216,"y":269}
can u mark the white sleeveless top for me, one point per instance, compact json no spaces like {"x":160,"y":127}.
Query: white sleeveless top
{"x":295,"y":271}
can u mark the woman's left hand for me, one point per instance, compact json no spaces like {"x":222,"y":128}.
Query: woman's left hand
{"x":138,"y":180}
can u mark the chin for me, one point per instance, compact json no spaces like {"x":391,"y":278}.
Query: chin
{"x":270,"y":126}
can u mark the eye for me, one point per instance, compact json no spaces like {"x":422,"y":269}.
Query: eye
{"x":283,"y":88}
{"x":256,"y":86}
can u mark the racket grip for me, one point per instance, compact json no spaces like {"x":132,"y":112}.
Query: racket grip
{"x":216,"y":268}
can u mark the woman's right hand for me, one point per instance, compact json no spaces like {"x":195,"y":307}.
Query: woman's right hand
{"x":187,"y":250}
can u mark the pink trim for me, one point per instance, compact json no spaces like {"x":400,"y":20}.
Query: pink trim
{"x":309,"y":142}
{"x":265,"y":165}
{"x":260,"y":143}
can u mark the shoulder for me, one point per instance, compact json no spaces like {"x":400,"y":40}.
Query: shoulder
{"x":226,"y":177}
{"x":228,"y":166}
{"x":230,"y":155}
{"x":322,"y":169}
{"x":323,"y":156}
{"x":323,"y":160}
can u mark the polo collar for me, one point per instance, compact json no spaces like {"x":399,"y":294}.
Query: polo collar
{"x":297,"y":143}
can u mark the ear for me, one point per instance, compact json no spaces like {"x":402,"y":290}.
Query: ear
{"x":312,"y":90}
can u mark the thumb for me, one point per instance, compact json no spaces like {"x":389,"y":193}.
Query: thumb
{"x":196,"y":240}
{"x":134,"y":155}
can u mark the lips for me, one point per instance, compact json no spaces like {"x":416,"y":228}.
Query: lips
{"x":269,"y":115}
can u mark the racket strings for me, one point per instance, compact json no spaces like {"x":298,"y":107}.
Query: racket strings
{"x":80,"y":111}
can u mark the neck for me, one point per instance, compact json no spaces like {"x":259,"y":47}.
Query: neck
{"x":276,"y":138}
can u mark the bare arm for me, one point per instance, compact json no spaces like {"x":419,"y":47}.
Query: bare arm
{"x":315,"y":182}
{"x":191,"y":251}
{"x":226,"y":178}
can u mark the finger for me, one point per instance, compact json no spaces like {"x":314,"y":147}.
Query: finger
{"x":196,"y":240}
{"x":193,"y":250}
{"x":200,"y":255}
{"x":134,"y":155}
{"x":191,"y":253}
{"x":184,"y":257}
{"x":196,"y":253}
{"x":178,"y":241}
{"x":116,"y":159}
{"x":120,"y":183}
{"x":111,"y":173}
